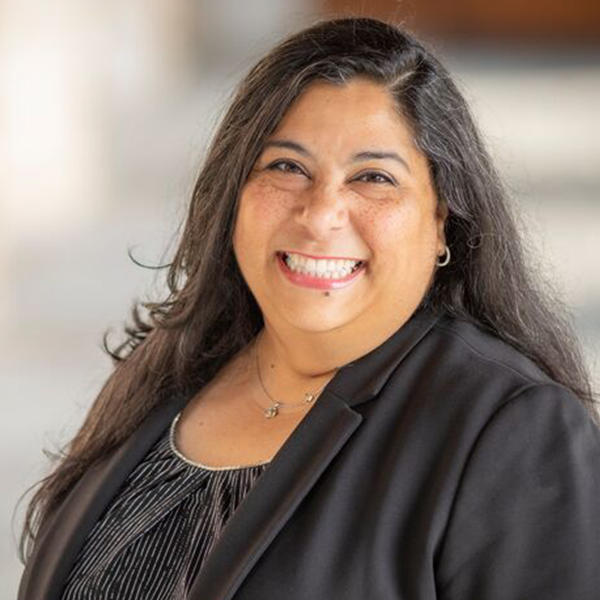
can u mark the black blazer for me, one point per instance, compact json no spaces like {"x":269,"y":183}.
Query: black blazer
{"x":443,"y":464}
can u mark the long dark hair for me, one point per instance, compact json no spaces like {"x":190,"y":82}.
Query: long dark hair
{"x":177,"y":345}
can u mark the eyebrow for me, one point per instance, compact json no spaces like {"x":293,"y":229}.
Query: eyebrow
{"x":359,"y":156}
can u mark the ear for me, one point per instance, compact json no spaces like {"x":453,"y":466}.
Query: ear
{"x":441,"y":216}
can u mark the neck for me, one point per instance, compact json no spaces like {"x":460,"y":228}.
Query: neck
{"x":294,"y":362}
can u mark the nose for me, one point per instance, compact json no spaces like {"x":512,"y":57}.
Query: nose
{"x":321,"y":209}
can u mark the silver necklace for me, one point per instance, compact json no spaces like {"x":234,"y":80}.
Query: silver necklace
{"x":273,"y":410}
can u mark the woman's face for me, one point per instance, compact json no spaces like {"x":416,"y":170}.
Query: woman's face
{"x":339,"y":179}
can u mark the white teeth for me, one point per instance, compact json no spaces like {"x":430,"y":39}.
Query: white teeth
{"x":325,"y":268}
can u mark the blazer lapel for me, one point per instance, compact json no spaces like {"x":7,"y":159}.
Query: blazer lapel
{"x":300,"y":462}
{"x":274,"y":497}
{"x":267,"y":507}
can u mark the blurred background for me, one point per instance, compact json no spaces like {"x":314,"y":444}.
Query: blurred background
{"x":105,"y":112}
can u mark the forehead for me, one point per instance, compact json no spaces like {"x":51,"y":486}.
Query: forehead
{"x":358,"y":112}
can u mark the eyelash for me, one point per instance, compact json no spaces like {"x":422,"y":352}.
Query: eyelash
{"x":273,"y":167}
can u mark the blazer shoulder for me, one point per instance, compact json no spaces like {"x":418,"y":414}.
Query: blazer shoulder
{"x":488,"y":353}
{"x":524,"y":521}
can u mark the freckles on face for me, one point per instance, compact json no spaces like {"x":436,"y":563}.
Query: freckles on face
{"x":398,"y":231}
{"x":262,"y":201}
{"x":340,"y":177}
{"x":262,"y":208}
{"x":262,"y":213}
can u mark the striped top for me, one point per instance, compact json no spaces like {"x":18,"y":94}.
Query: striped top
{"x":155,"y":535}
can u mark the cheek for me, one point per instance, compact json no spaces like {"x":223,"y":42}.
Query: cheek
{"x":384,"y":226}
{"x":260,"y":213}
{"x":262,"y":204}
{"x":399,"y":234}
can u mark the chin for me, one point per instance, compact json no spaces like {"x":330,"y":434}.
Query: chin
{"x":322,"y":322}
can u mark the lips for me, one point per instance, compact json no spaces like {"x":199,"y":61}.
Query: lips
{"x":321,"y":283}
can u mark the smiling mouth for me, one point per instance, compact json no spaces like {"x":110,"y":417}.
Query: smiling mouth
{"x":321,"y":273}
{"x":310,"y":277}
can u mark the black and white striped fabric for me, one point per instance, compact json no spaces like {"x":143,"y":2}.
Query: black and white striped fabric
{"x":157,"y":532}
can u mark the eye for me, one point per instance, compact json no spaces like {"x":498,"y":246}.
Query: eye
{"x":285,"y":166}
{"x":375,"y":177}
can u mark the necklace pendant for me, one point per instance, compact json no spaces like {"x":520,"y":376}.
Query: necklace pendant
{"x":308,"y":398}
{"x":272,"y":411}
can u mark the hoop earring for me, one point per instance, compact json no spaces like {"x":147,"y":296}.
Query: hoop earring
{"x":446,"y":260}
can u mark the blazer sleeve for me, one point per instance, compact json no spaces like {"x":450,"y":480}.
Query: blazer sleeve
{"x":525,"y":521}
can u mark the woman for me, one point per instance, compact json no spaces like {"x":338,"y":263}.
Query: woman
{"x":355,"y":388}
